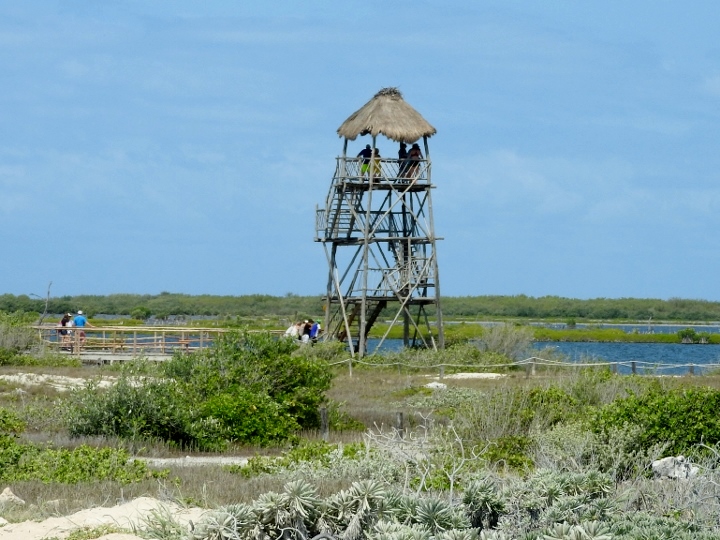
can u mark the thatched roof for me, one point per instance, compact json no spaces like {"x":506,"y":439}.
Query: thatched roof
{"x":387,"y":114}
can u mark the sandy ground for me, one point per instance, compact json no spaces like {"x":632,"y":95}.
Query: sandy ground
{"x":191,"y":461}
{"x":124,"y":516}
{"x":474,"y":376}
{"x":62,"y":383}
{"x":58,"y":382}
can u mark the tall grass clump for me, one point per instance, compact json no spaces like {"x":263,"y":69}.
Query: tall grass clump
{"x":509,"y":340}
{"x":16,"y":337}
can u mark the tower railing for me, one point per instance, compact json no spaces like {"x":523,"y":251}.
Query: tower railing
{"x":383,"y":170}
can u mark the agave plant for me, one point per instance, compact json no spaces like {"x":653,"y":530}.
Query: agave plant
{"x":218,"y":525}
{"x":484,"y":503}
{"x":458,"y":534}
{"x":366,"y":496}
{"x":392,"y":530}
{"x":438,"y":515}
{"x":493,"y":535}
{"x":302,"y":504}
{"x":586,"y":531}
{"x":336,"y":512}
{"x":273,"y":513}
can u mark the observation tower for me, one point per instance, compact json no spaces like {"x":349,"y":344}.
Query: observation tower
{"x":377,"y":230}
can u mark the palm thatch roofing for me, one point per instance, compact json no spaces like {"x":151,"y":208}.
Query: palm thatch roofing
{"x":387,"y":114}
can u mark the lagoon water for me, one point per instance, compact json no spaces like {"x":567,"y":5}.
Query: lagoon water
{"x":659,"y":358}
{"x":649,"y":358}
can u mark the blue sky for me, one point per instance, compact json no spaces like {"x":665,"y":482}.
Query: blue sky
{"x":182,"y":146}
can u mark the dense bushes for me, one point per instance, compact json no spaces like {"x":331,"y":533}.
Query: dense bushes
{"x":23,"y":461}
{"x":618,"y":424}
{"x":164,"y":304}
{"x":678,"y":418}
{"x":248,"y":388}
{"x":15,"y":335}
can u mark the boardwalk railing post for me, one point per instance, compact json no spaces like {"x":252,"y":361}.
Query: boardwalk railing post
{"x":613,"y":368}
{"x":532,"y":368}
{"x":324,"y":424}
{"x":692,"y":369}
{"x":400,"y":424}
{"x":442,"y":371}
{"x":633,"y":367}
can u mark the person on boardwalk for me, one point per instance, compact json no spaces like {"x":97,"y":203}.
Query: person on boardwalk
{"x":365,"y":154}
{"x":414,"y":158}
{"x":294,"y":331}
{"x":80,"y":321}
{"x":307,"y":326}
{"x":315,"y":332}
{"x":64,"y":333}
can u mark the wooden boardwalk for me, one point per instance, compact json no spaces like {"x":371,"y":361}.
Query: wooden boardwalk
{"x":106,"y":344}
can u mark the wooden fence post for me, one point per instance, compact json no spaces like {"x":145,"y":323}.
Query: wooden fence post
{"x":400,"y":424}
{"x":633,"y":367}
{"x":324,"y":424}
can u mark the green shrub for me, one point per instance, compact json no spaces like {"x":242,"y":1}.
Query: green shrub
{"x":259,"y":363}
{"x":249,"y":417}
{"x":152,"y":409}
{"x":680,"y":418}
{"x":10,"y":424}
{"x":511,"y":452}
{"x":340,"y":420}
{"x":27,"y":462}
{"x":47,"y":359}
{"x":249,"y":388}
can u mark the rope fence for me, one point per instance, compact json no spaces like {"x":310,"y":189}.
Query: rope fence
{"x":533,"y":363}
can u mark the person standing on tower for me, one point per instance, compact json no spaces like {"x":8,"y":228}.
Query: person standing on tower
{"x":402,"y":160}
{"x":414,"y":158}
{"x":365,"y":154}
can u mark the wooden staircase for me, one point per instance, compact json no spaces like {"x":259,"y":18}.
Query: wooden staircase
{"x":374,"y":310}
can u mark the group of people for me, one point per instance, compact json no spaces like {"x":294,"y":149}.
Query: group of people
{"x":306,"y":331}
{"x":66,"y":332}
{"x":408,"y":161}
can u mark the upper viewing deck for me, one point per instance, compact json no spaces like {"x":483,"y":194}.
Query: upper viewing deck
{"x":385,"y":173}
{"x":398,"y":213}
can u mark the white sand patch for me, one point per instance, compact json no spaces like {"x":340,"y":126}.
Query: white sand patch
{"x":474,"y":376}
{"x":58,"y":382}
{"x":190,"y":461}
{"x":124,"y":516}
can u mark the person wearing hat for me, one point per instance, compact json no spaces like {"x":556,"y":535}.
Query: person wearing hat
{"x":81,"y":322}
{"x":365,"y":154}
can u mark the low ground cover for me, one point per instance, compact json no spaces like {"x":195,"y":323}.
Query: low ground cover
{"x":563,"y":453}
